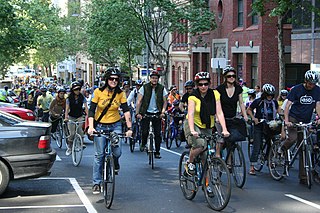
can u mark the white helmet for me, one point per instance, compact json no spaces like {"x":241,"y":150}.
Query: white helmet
{"x":202,"y":76}
{"x":311,"y":76}
{"x":269,"y":89}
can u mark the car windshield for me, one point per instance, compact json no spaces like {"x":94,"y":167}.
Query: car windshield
{"x":7,"y":119}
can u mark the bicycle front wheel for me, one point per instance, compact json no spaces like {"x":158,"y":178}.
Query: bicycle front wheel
{"x":238,"y":166}
{"x":217,"y":184}
{"x":187,"y":183}
{"x":276,"y":162}
{"x":108,"y":181}
{"x":151,"y":152}
{"x":77,"y":150}
{"x":308,"y":165}
{"x":59,"y":135}
{"x":169,"y":138}
{"x":132,"y":144}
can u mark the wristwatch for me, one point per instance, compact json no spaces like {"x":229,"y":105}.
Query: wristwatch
{"x":129,"y":128}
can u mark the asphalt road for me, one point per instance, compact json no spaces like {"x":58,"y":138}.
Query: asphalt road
{"x":140,"y":189}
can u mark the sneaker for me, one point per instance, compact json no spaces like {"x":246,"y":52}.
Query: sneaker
{"x":68,"y":152}
{"x":116,"y":166}
{"x":190,"y":168}
{"x":157,"y":156}
{"x":96,"y":189}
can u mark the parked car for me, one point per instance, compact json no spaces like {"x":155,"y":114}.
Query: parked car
{"x":23,"y":113}
{"x":25,"y":150}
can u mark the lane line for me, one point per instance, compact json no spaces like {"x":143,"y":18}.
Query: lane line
{"x":40,"y":207}
{"x":303,"y":201}
{"x":84,"y":199}
{"x":176,"y":153}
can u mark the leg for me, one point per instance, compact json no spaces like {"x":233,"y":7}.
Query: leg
{"x":256,"y":146}
{"x":144,"y":130}
{"x":117,"y":149}
{"x":99,"y":144}
{"x":156,"y":123}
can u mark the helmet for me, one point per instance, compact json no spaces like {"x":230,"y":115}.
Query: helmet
{"x":43,"y":89}
{"x":269,"y":89}
{"x":202,"y":76}
{"x":284,"y":92}
{"x":114,"y":139}
{"x":139,"y":82}
{"x":6,"y":87}
{"x":81,"y":82}
{"x":172,"y":87}
{"x":125,"y":83}
{"x":112,"y":71}
{"x":251,"y":92}
{"x":154,"y":73}
{"x":75,"y":85}
{"x":61,"y":89}
{"x":228,"y":69}
{"x":311,"y":76}
{"x":189,"y":83}
{"x":89,"y":90}
{"x":176,"y":103}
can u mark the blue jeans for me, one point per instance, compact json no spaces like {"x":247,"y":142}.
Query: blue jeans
{"x":99,"y":150}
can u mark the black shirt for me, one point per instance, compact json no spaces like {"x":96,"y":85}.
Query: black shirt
{"x":229,"y":104}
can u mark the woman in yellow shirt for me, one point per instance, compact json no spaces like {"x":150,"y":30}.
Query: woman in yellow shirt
{"x":110,"y":122}
{"x":203,"y":105}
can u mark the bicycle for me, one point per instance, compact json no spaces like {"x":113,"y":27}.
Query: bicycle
{"x":280,"y":163}
{"x":213,"y":175}
{"x":174,"y":132}
{"x":77,"y":144}
{"x":165,"y":123}
{"x":264,"y":147}
{"x":108,"y":171}
{"x":151,"y":140}
{"x":137,"y":135}
{"x":59,"y":135}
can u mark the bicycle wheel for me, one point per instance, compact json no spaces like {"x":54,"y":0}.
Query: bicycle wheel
{"x":276,"y":162}
{"x":77,"y":149}
{"x":59,"y":135}
{"x":187,"y":183}
{"x":308,"y":165}
{"x":151,"y":152}
{"x":217,"y":184}
{"x":132,"y":144}
{"x":261,"y":157}
{"x":250,"y":147}
{"x":178,"y":142}
{"x":238,"y":166}
{"x":169,"y":138}
{"x":108,"y":181}
{"x":178,"y":138}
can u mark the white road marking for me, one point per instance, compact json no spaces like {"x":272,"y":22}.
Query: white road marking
{"x":176,"y":153}
{"x":303,"y":201}
{"x":40,"y":207}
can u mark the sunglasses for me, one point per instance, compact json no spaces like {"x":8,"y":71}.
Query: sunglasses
{"x":231,"y":76}
{"x":190,"y":88}
{"x":77,"y":89}
{"x":203,"y":84}
{"x":113,"y":79}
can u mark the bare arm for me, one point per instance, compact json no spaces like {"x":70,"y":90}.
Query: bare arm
{"x":243,"y":108}
{"x":191,"y":108}
{"x":221,"y":119}
{"x":286,"y":113}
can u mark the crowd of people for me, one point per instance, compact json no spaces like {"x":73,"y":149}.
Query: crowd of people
{"x":205,"y":109}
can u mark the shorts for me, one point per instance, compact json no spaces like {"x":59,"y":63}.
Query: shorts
{"x":196,"y":142}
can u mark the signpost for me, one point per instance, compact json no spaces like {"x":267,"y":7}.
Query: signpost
{"x":217,"y":63}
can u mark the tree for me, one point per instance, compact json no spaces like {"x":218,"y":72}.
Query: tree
{"x":159,"y":18}
{"x":114,"y":33}
{"x":282,"y":10}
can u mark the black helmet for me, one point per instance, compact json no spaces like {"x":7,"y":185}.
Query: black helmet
{"x":61,"y":89}
{"x":176,"y":103}
{"x":125,"y":83}
{"x":6,"y":87}
{"x":189,"y":83}
{"x":269,"y":89}
{"x":112,"y":71}
{"x":154,"y":73}
{"x":81,"y":82}
{"x":311,"y":76}
{"x":75,"y":85}
{"x":251,"y":92}
{"x":228,"y":69}
{"x":43,"y":89}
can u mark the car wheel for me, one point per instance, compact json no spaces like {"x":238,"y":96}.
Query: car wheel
{"x":4,"y":177}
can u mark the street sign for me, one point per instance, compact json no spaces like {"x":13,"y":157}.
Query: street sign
{"x":315,"y":67}
{"x":218,"y":63}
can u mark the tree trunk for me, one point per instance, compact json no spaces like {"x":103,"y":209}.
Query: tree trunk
{"x":282,"y":63}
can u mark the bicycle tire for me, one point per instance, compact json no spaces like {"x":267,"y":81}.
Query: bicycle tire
{"x":59,"y":135}
{"x":151,"y":153}
{"x":108,"y":181}
{"x":178,"y":138}
{"x":261,"y":157}
{"x":77,"y":149}
{"x":132,"y":144}
{"x":217,"y":177}
{"x":276,"y":162}
{"x":238,"y":166}
{"x":308,"y":166}
{"x":169,"y":138}
{"x":250,"y":146}
{"x":178,"y":142}
{"x":187,"y":186}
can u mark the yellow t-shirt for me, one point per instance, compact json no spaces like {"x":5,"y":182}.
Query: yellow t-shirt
{"x":102,"y":98}
{"x":197,"y":107}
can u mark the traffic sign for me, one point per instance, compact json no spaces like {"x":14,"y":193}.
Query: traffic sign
{"x":218,"y":63}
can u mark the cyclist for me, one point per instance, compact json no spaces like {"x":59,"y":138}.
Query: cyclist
{"x":203,"y":105}
{"x":74,"y":111}
{"x":151,"y":101}
{"x":282,"y":97}
{"x":230,"y":95}
{"x":110,"y":121}
{"x":302,"y":100}
{"x":132,"y":99}
{"x":251,"y":98}
{"x":189,"y":86}
{"x":57,"y":108}
{"x":43,"y":103}
{"x":175,"y":111}
{"x":126,"y":88}
{"x":23,"y":98}
{"x":4,"y":94}
{"x":173,"y":95}
{"x":266,"y":107}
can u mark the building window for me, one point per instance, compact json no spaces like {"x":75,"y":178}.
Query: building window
{"x":240,"y":13}
{"x":240,"y":65}
{"x":255,"y":17}
{"x":173,"y":71}
{"x":254,"y":70}
{"x":220,"y":10}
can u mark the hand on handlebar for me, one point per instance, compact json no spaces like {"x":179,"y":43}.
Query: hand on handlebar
{"x":91,"y":131}
{"x":139,"y":116}
{"x":129,"y":133}
{"x":288,"y":123}
{"x":225,"y":134}
{"x":194,"y":133}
